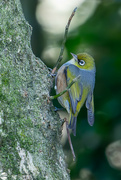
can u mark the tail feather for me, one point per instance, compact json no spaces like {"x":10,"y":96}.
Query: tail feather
{"x":72,"y":124}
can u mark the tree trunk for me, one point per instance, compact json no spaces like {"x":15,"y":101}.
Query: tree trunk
{"x":30,"y":130}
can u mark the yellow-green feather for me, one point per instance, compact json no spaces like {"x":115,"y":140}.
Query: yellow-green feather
{"x":80,"y":91}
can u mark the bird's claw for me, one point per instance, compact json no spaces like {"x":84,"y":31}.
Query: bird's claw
{"x":51,"y":74}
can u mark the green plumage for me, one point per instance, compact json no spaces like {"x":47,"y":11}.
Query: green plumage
{"x":80,"y":91}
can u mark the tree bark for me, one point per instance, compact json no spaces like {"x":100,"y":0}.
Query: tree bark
{"x":30,"y":130}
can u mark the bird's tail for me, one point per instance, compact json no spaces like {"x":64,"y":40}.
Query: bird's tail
{"x":72,"y":123}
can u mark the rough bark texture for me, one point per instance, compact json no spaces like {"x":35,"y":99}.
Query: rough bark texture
{"x":30,"y":130}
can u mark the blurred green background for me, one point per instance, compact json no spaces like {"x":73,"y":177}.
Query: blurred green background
{"x":100,"y":35}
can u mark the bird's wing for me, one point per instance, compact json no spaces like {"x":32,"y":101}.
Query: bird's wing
{"x":90,"y":108}
{"x":75,"y":91}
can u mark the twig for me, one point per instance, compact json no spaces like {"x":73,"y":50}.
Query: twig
{"x":70,"y":143}
{"x":63,"y":43}
{"x":61,"y":93}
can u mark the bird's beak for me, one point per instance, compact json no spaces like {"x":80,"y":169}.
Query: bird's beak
{"x":74,"y":56}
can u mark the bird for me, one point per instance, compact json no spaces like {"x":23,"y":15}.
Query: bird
{"x":81,"y":65}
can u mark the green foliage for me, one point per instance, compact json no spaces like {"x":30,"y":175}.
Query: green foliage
{"x":101,"y":35}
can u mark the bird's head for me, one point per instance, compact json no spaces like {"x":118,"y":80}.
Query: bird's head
{"x":83,"y":61}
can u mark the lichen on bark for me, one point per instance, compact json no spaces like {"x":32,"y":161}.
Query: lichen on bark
{"x":30,"y":130}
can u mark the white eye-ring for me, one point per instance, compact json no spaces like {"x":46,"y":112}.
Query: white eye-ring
{"x":81,"y":62}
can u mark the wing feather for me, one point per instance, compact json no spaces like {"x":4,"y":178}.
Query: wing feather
{"x":90,"y":109}
{"x":75,"y":92}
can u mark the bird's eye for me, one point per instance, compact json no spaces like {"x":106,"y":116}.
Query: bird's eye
{"x":82,"y":62}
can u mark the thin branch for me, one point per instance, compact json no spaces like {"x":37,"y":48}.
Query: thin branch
{"x":61,"y":93}
{"x":70,"y":143}
{"x":63,"y":43}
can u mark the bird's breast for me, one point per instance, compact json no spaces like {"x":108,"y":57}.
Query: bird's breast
{"x":87,"y":78}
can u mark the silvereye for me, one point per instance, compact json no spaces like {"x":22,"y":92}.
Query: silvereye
{"x":81,"y":91}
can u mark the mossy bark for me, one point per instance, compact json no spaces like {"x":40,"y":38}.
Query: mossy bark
{"x":30,"y":130}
